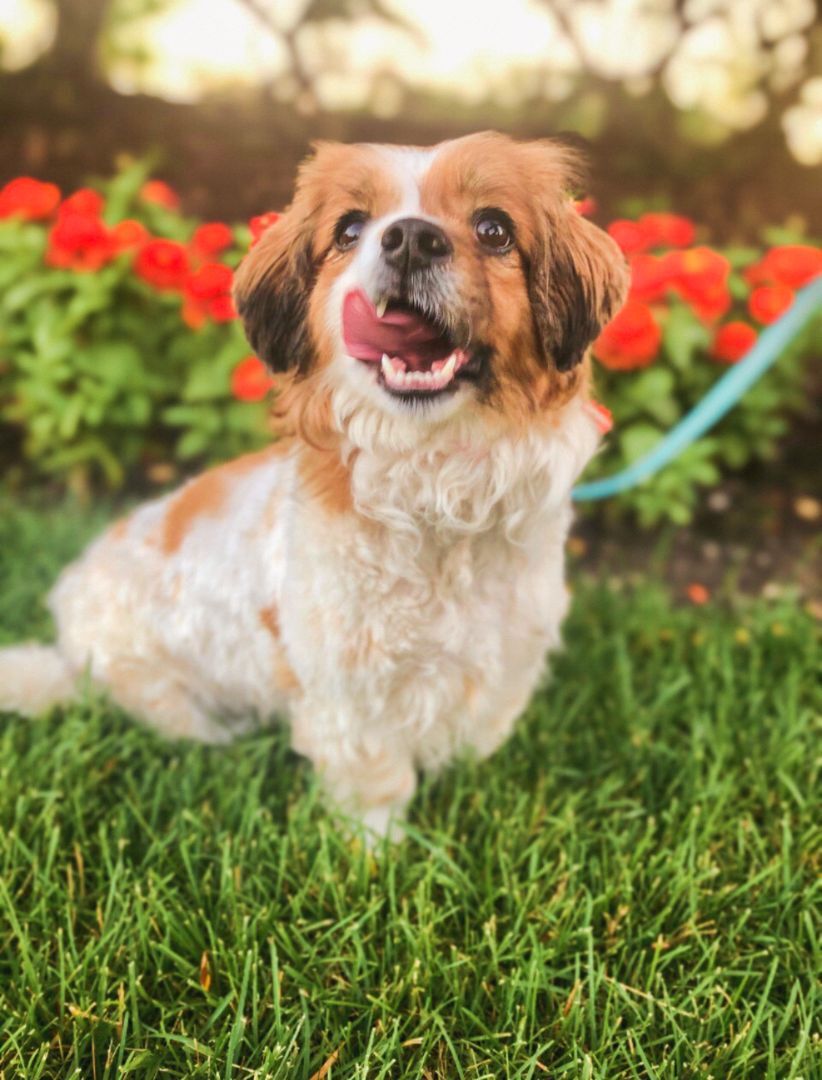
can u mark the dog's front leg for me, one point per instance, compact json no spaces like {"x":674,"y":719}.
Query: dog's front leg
{"x":367,"y":777}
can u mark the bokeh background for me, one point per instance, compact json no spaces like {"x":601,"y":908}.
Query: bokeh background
{"x":153,"y":136}
{"x":715,"y":104}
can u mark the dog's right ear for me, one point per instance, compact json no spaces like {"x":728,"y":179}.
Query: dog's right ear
{"x":272,"y":288}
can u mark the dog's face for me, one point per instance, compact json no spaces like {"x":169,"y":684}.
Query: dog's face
{"x":430,"y":282}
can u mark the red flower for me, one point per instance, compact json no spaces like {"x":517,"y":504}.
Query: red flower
{"x":250,"y":380}
{"x":29,"y":199}
{"x":600,"y":414}
{"x":211,"y":238}
{"x":128,"y":234}
{"x":84,"y":201}
{"x":221,"y":309}
{"x":160,"y":193}
{"x":732,"y":341}
{"x":667,"y":230}
{"x":79,"y":241}
{"x":259,"y":224}
{"x":163,"y":264}
{"x":209,"y":281}
{"x":700,"y":276}
{"x":631,"y":340}
{"x":793,"y":265}
{"x":767,"y":302}
{"x":652,"y":230}
{"x":629,"y":235}
{"x":649,"y":278}
{"x":586,"y":206}
{"x":208,"y":295}
{"x":698,"y":593}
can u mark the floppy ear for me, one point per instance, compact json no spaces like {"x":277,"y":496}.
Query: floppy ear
{"x":272,"y":288}
{"x":578,"y":280}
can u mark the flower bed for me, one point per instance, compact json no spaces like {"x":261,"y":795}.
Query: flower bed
{"x":120,"y":351}
{"x":692,"y":310}
{"x":121,"y":354}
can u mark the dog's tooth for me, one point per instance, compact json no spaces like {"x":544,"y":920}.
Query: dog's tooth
{"x":447,"y":373}
{"x":387,"y":369}
{"x":380,"y":307}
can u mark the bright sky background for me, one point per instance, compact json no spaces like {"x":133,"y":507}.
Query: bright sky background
{"x":470,"y":48}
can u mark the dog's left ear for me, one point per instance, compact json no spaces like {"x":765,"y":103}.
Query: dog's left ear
{"x":272,"y":288}
{"x":578,"y":280}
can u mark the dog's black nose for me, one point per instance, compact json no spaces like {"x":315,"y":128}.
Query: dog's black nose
{"x":412,"y":242}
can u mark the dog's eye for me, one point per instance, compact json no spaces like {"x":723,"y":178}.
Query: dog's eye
{"x":348,"y":229}
{"x":494,"y":230}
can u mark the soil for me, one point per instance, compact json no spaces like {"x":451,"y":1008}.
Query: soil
{"x":758,"y":533}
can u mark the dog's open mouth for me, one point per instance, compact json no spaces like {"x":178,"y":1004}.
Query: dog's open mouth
{"x":416,"y":357}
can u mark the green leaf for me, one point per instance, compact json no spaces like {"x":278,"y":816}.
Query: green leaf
{"x":683,"y":336}
{"x":638,"y":439}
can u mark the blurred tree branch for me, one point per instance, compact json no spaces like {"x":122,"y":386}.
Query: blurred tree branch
{"x":288,"y":36}
{"x":317,"y":13}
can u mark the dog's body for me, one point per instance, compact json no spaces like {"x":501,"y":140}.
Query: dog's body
{"x":390,"y":573}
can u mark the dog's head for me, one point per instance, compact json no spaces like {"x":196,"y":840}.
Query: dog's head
{"x":427,"y":282}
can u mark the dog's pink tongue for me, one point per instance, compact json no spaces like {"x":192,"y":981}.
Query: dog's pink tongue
{"x":398,"y":333}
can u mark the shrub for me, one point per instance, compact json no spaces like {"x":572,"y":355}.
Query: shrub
{"x":118,"y":339}
{"x":691,"y":311}
{"x":121,"y":354}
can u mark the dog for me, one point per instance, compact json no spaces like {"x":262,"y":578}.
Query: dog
{"x":388,"y":574}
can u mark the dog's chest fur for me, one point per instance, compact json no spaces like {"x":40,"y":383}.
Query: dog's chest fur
{"x":431,"y":611}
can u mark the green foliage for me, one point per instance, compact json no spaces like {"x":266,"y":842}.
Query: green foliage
{"x":626,"y":891}
{"x":646,"y":403}
{"x":100,"y":378}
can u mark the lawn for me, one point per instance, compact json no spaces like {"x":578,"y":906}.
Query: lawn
{"x":625,"y":890}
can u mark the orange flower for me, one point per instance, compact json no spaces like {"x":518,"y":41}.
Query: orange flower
{"x":629,"y":235}
{"x":667,"y":230}
{"x":163,"y":264}
{"x":250,"y":380}
{"x":209,"y":281}
{"x":600,"y":414}
{"x":631,"y":340}
{"x":652,"y":230}
{"x":793,"y":265}
{"x":84,"y":201}
{"x":29,"y":199}
{"x":207,"y":295}
{"x":128,"y":234}
{"x":211,"y":238}
{"x":79,"y":242}
{"x":649,"y":278}
{"x":160,"y":193}
{"x":697,"y":593}
{"x":700,"y":276}
{"x":260,"y":223}
{"x":586,"y":206}
{"x":767,"y":302}
{"x":732,"y":341}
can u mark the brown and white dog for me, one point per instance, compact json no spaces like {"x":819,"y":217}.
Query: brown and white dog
{"x":389,"y":574}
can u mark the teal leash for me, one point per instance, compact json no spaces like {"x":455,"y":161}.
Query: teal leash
{"x":722,"y":397}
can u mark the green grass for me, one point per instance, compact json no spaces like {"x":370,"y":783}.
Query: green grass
{"x":625,"y":890}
